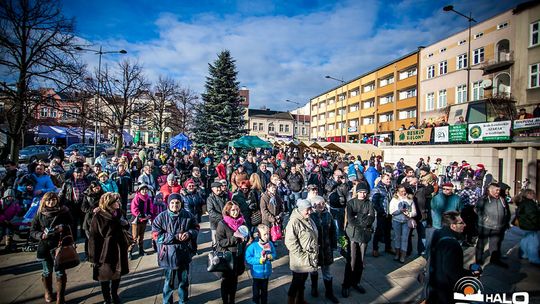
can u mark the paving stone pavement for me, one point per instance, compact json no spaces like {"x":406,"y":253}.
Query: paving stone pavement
{"x":385,"y":280}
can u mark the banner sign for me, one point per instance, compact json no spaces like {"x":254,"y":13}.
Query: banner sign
{"x":412,"y":136}
{"x":441,"y":134}
{"x":529,"y":123}
{"x":490,"y":131}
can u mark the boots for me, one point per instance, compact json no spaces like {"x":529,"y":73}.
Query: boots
{"x":106,"y":291}
{"x":396,"y":258}
{"x":47,"y":285}
{"x":329,"y":292}
{"x":300,"y":297}
{"x":10,"y":245}
{"x":291,"y":299}
{"x":114,"y":291}
{"x":130,"y":253}
{"x":61,"y":289}
{"x":344,"y":291}
{"x":141,"y":250}
{"x":402,"y":256}
{"x":314,"y":286}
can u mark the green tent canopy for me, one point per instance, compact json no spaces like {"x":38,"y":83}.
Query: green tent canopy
{"x":250,"y":142}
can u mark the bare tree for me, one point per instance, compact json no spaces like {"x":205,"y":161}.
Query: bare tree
{"x":184,"y":110}
{"x":36,"y":50}
{"x":165,"y":93}
{"x":120,"y":99}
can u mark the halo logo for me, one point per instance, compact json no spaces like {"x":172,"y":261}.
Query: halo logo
{"x":471,"y":290}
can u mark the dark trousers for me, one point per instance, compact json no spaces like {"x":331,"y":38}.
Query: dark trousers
{"x":339,"y":219}
{"x":297,"y":284}
{"x":383,"y":232}
{"x":471,"y":221}
{"x":421,"y":241}
{"x":354,"y":266}
{"x":229,"y":284}
{"x":260,"y":291}
{"x":495,"y":238}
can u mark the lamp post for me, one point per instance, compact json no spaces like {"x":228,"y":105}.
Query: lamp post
{"x":342,"y":82}
{"x":450,"y":8}
{"x":99,"y":52}
{"x":304,"y":120}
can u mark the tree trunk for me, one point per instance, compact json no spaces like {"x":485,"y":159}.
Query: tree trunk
{"x":14,"y":142}
{"x":119,"y":142}
{"x":160,"y":139}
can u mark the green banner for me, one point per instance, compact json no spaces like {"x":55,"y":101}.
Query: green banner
{"x":457,"y":133}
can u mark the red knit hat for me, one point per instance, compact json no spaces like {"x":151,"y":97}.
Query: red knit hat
{"x":480,"y":166}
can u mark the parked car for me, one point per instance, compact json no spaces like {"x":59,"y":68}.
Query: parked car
{"x":34,"y":152}
{"x":72,"y":147}
{"x":88,"y":150}
{"x":109,"y":148}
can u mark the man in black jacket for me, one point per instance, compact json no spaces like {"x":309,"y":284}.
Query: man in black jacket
{"x":71,"y":195}
{"x":337,"y":190}
{"x":122,"y":178}
{"x":296,"y":185}
{"x":445,"y":260}
{"x":10,"y":177}
{"x":214,"y":205}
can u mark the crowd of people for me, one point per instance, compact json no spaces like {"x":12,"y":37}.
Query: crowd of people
{"x":313,"y":202}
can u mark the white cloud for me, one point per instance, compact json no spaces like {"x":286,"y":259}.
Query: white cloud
{"x":281,"y":57}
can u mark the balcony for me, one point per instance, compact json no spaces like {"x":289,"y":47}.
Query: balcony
{"x":367,"y":128}
{"x":407,"y":103}
{"x":504,"y":61}
{"x":367,"y":112}
{"x":387,"y":126}
{"x":407,"y":82}
{"x":388,"y":107}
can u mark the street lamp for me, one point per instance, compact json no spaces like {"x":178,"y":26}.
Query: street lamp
{"x":99,"y":52}
{"x":450,"y":8}
{"x":342,"y":82}
{"x":304,"y":118}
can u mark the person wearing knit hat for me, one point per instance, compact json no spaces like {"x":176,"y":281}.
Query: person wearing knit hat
{"x":360,"y":217}
{"x":10,"y":208}
{"x":193,"y":200}
{"x":171,"y":186}
{"x":302,"y":241}
{"x":108,"y":185}
{"x":175,"y":231}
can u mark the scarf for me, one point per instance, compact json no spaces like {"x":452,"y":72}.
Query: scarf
{"x":233,"y":223}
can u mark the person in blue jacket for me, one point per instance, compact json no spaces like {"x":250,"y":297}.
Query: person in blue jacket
{"x":43,"y":181}
{"x":175,"y":232}
{"x":371,"y":175}
{"x":108,"y":185}
{"x":259,"y":255}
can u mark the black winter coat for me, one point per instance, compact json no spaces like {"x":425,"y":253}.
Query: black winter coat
{"x":108,"y":246}
{"x":89,"y":203}
{"x":327,"y":238}
{"x":296,"y":182}
{"x":360,"y":218}
{"x":50,"y":219}
{"x":214,"y":205}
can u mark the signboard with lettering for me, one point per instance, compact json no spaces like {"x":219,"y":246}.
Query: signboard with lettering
{"x":441,"y":134}
{"x":490,"y":131}
{"x":454,"y":133}
{"x":529,"y":123}
{"x":352,"y":129}
{"x":412,"y":136}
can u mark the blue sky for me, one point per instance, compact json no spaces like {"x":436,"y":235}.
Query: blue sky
{"x":283,"y":49}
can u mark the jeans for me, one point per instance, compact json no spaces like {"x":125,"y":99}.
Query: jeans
{"x":176,"y":279}
{"x":495,"y":238}
{"x":48,"y":267}
{"x":401,"y":231}
{"x":260,"y":291}
{"x":339,"y":219}
{"x":529,"y":246}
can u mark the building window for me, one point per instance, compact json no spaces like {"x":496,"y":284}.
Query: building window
{"x":271,"y":127}
{"x":340,"y":125}
{"x":477,"y":91}
{"x":303,"y":130}
{"x":533,"y":36}
{"x":44,"y":112}
{"x":386,"y":117}
{"x":430,"y":101}
{"x":280,"y":128}
{"x":443,"y":67}
{"x":321,"y":129}
{"x":369,"y":104}
{"x":331,"y":127}
{"x":314,"y":108}
{"x":322,"y":105}
{"x":441,"y":101}
{"x":430,"y":71}
{"x":461,"y":42}
{"x":354,"y":107}
{"x":368,"y":120}
{"x":261,"y":126}
{"x":287,"y":129}
{"x":386,"y":81}
{"x":502,"y":25}
{"x":442,"y":50}
{"x":354,"y":92}
{"x":386,"y":99}
{"x":533,"y":75}
{"x":405,"y":114}
{"x":407,"y":93}
{"x":353,"y":123}
{"x":461,"y":94}
{"x":478,"y":55}
{"x":476,"y":36}
{"x":254,"y":126}
{"x":407,"y":73}
{"x":341,"y":111}
{"x":369,"y":87}
{"x":461,"y":61}
{"x":341,"y":97}
{"x":430,"y":55}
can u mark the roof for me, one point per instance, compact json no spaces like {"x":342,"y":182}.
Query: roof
{"x":270,"y":114}
{"x":302,"y":118}
{"x":525,"y":6}
{"x":369,"y":72}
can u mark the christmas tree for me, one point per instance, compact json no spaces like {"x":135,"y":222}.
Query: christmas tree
{"x":220,"y":117}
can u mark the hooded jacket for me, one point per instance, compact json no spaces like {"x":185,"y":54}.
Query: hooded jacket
{"x":301,"y":238}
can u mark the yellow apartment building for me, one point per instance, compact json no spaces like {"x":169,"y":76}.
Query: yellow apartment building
{"x":375,"y":103}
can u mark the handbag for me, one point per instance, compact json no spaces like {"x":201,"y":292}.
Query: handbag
{"x":275,"y":233}
{"x":66,"y":255}
{"x":220,"y":261}
{"x":411,"y":223}
{"x":256,"y":217}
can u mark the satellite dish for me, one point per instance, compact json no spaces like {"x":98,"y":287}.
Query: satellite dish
{"x":487,"y":83}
